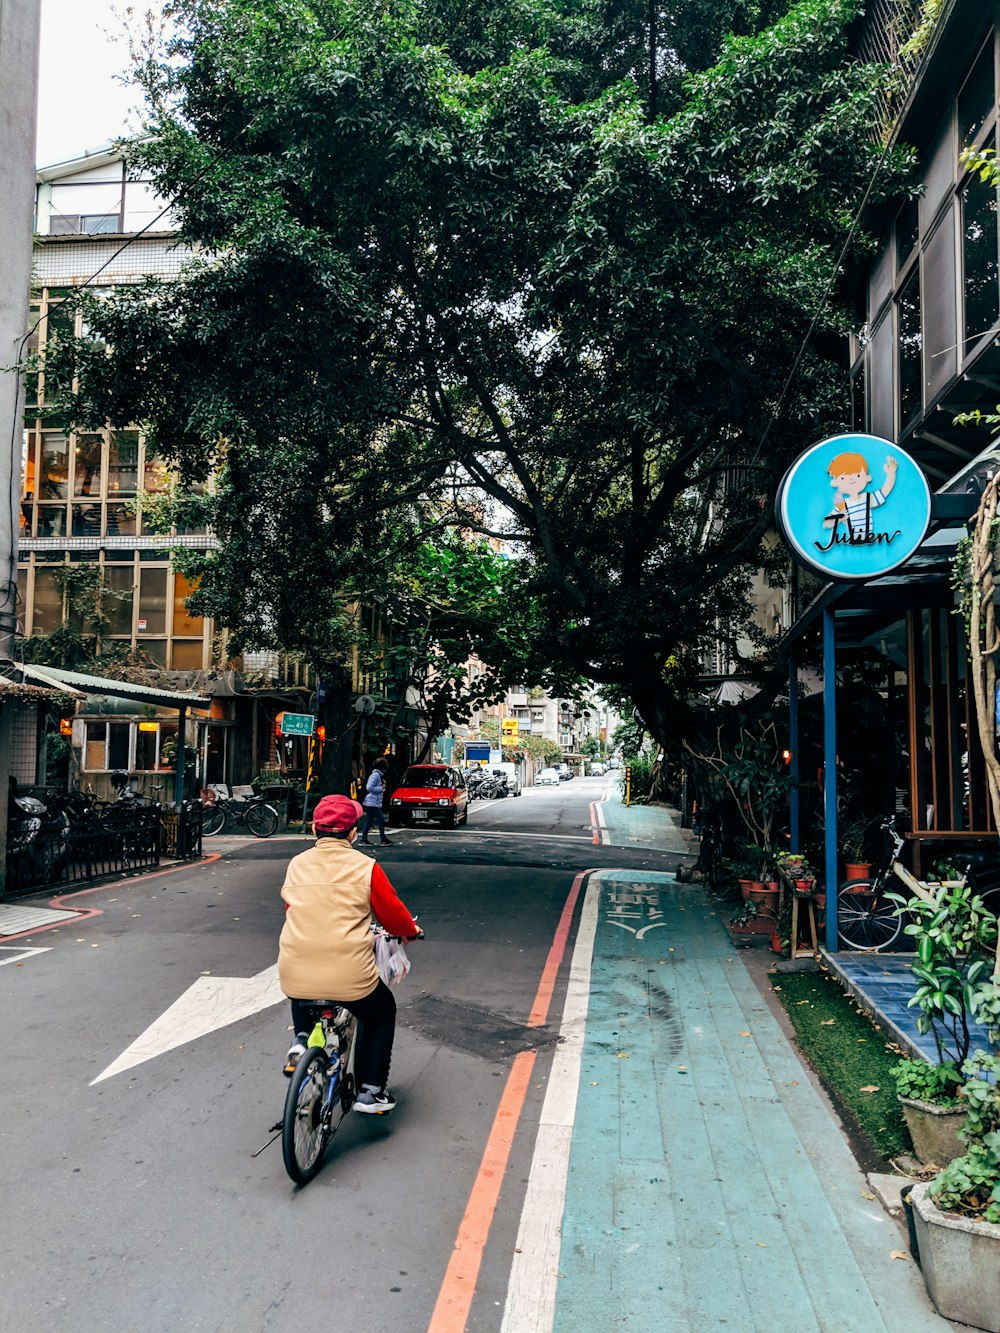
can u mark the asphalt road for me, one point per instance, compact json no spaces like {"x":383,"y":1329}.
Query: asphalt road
{"x":136,"y":1202}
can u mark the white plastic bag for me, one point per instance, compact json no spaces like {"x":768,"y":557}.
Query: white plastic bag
{"x":390,"y":959}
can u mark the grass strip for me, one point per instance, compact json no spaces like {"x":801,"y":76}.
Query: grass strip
{"x":849,"y":1053}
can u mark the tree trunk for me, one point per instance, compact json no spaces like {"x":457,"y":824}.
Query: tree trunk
{"x":337,"y":714}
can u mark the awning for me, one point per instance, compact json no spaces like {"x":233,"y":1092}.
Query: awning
{"x":77,"y":682}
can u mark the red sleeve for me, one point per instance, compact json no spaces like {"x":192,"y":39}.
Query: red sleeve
{"x":389,"y":911}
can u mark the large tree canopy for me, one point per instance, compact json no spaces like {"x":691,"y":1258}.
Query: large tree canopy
{"x":460,"y":265}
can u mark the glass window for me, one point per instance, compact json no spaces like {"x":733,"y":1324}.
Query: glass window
{"x":29,"y":464}
{"x":184,"y":622}
{"x":32,"y":345}
{"x":121,"y":521}
{"x":982,"y":293}
{"x":60,"y":320}
{"x":907,"y":231}
{"x":54,"y":480}
{"x":118,"y":589}
{"x":976,"y":100}
{"x":155,"y":474}
{"x":145,"y":746}
{"x":168,"y":732}
{"x":87,"y":467}
{"x":87,"y":520}
{"x":123,"y":462}
{"x":910,"y":374}
{"x":97,"y":224}
{"x":95,"y":749}
{"x":115,"y":553}
{"x":118,"y":734}
{"x":153,"y":601}
{"x":52,"y":521}
{"x":155,"y":650}
{"x":186,"y":655}
{"x":48,"y":610}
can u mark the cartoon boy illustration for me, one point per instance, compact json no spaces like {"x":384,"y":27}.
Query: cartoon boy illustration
{"x":849,"y":476}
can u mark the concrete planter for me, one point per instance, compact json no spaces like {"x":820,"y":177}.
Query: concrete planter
{"x":934,"y":1130}
{"x":960,"y":1261}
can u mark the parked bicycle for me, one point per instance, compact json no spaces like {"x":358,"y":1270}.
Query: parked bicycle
{"x":869,"y":913}
{"x":251,"y":812}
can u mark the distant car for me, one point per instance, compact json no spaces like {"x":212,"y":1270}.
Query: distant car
{"x":597,"y":770}
{"x":564,"y":771}
{"x":547,"y":777}
{"x":430,"y":793}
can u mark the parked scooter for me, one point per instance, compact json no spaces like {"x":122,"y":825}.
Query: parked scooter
{"x":37,"y":839}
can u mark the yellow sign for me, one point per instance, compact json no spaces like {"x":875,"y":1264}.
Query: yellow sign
{"x":508,"y":730}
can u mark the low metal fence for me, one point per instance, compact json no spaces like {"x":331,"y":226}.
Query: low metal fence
{"x":182,"y":831}
{"x":121,"y":842}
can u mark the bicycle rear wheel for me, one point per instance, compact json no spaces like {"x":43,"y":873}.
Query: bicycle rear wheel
{"x":866,"y":919}
{"x":305,"y":1127}
{"x":262,"y":820}
{"x":213,"y":821}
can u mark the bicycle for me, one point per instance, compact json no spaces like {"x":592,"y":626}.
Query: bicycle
{"x":868,"y":918}
{"x":322,"y":1080}
{"x":260,"y":818}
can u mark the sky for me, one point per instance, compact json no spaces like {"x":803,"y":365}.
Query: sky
{"x":81,"y":103}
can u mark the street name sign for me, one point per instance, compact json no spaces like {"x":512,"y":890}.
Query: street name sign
{"x":297,"y":724}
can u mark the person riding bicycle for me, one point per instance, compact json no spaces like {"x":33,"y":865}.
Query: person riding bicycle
{"x":326,"y":953}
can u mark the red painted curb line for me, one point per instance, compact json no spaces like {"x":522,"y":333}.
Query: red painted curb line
{"x":84,"y":912}
{"x":458,"y":1287}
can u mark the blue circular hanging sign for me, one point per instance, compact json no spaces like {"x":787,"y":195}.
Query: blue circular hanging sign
{"x":853,"y":507}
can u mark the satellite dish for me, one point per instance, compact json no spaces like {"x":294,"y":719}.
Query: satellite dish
{"x":364,"y":704}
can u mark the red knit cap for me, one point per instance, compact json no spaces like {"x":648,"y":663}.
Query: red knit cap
{"x":336,"y":814}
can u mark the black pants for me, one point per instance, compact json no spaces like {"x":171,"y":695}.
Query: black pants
{"x":376,"y":1015}
{"x":373,"y":815}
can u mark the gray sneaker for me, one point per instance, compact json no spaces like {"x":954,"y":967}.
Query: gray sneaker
{"x":295,"y":1051}
{"x":378,"y":1102}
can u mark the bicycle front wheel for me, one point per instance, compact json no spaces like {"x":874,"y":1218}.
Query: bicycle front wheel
{"x":213,"y":821}
{"x":262,"y":820}
{"x":866,"y":919}
{"x":305,"y":1125}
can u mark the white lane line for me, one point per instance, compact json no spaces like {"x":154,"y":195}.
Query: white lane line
{"x":531,"y":1294}
{"x":507,"y":833}
{"x":602,"y":824}
{"x":18,"y":954}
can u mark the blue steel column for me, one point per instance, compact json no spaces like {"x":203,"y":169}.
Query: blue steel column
{"x":793,"y":747}
{"x":830,"y":774}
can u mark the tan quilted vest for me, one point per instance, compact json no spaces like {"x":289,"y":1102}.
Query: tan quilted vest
{"x":326,"y":947}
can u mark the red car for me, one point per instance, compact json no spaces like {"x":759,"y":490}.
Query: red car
{"x":429,"y":793}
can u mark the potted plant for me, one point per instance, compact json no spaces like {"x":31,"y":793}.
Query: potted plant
{"x":748,"y":920}
{"x":934,"y":1113}
{"x":797,"y":870}
{"x":853,"y":835}
{"x":957,"y":1215}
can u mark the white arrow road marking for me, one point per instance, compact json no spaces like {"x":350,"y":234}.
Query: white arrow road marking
{"x":18,"y":954}
{"x":211,"y":1003}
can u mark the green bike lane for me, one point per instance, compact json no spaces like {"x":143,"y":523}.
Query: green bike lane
{"x":687,"y":1172}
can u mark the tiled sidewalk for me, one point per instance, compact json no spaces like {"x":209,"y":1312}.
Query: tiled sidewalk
{"x":655,"y":826}
{"x":883,"y":985}
{"x":709,"y":1184}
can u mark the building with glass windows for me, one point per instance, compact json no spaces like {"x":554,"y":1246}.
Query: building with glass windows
{"x":88,"y":557}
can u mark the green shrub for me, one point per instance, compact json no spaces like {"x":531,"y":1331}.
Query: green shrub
{"x":924,"y":1082}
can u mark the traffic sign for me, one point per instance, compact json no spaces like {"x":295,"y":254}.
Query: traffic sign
{"x":297,"y":724}
{"x":508,"y":730}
